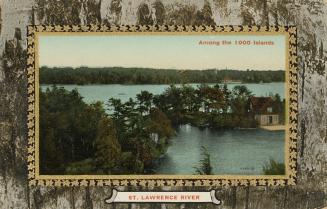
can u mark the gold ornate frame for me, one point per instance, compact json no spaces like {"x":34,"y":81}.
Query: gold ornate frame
{"x":34,"y":176}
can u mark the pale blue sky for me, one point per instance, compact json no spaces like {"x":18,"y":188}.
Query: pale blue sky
{"x":161,"y":51}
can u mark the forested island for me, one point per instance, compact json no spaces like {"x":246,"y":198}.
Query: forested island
{"x":131,"y":139}
{"x":121,"y":75}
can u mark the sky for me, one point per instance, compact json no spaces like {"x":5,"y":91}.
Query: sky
{"x":161,"y":51}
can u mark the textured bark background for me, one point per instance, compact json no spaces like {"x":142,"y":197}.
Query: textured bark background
{"x":309,"y":16}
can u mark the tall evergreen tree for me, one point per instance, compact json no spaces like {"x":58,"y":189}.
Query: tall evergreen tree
{"x":51,"y":160}
{"x":205,"y":164}
{"x":108,"y":150}
{"x":145,"y":101}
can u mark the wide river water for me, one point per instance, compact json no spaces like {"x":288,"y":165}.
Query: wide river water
{"x":231,"y":151}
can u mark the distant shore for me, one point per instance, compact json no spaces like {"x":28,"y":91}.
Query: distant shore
{"x":274,"y":128}
{"x":120,"y":75}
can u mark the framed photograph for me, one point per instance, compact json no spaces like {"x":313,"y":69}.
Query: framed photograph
{"x":162,"y":105}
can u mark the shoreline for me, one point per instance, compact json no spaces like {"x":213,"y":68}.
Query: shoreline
{"x":274,"y":127}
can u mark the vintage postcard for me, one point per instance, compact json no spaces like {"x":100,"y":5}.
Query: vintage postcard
{"x":162,"y":105}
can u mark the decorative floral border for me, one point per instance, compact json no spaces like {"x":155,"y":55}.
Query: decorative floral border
{"x":139,"y":180}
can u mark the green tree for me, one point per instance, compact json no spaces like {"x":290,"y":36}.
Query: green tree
{"x":118,"y":115}
{"x":108,"y":150}
{"x":274,"y":168}
{"x":175,"y":104}
{"x":145,"y":101}
{"x":120,"y":75}
{"x":189,"y":97}
{"x":116,"y":107}
{"x":161,"y":102}
{"x":68,"y":126}
{"x":51,"y":159}
{"x":227,"y":95}
{"x":85,"y":126}
{"x":202,"y":92}
{"x":216,"y":98}
{"x":159,"y":123}
{"x":205,"y":167}
{"x":239,"y":101}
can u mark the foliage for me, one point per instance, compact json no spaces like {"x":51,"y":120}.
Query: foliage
{"x":145,"y":100}
{"x":130,"y":165}
{"x":80,"y":167}
{"x":274,"y":168}
{"x":119,"y":75}
{"x":279,"y":107}
{"x":143,"y":130}
{"x":136,"y":132}
{"x":67,"y":126}
{"x":108,"y":150}
{"x":90,"y":141}
{"x":206,"y":105}
{"x":159,"y":123}
{"x":205,"y":167}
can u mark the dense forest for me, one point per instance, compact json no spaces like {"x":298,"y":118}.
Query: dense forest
{"x":131,"y":139}
{"x":90,"y":141}
{"x":119,"y":75}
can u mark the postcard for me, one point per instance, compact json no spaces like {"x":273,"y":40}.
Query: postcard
{"x":172,"y":106}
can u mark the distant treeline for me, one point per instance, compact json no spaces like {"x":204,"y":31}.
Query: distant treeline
{"x":120,"y":75}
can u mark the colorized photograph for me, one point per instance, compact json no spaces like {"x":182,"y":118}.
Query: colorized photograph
{"x":162,"y":104}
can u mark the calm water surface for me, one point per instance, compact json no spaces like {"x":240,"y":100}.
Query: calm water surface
{"x":232,"y":151}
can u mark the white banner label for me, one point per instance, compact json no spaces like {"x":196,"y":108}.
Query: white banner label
{"x":163,"y":197}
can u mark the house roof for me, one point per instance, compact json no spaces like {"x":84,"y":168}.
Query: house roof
{"x":260,"y":104}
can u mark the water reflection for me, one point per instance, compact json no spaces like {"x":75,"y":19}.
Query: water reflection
{"x":232,"y":151}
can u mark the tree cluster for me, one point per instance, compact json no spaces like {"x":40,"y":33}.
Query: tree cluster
{"x":80,"y":138}
{"x":119,"y":75}
{"x":207,"y":106}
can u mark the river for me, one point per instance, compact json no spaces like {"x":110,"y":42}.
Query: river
{"x":231,"y":151}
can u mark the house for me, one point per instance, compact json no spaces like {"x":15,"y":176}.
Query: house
{"x":154,"y":137}
{"x":263,"y":111}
